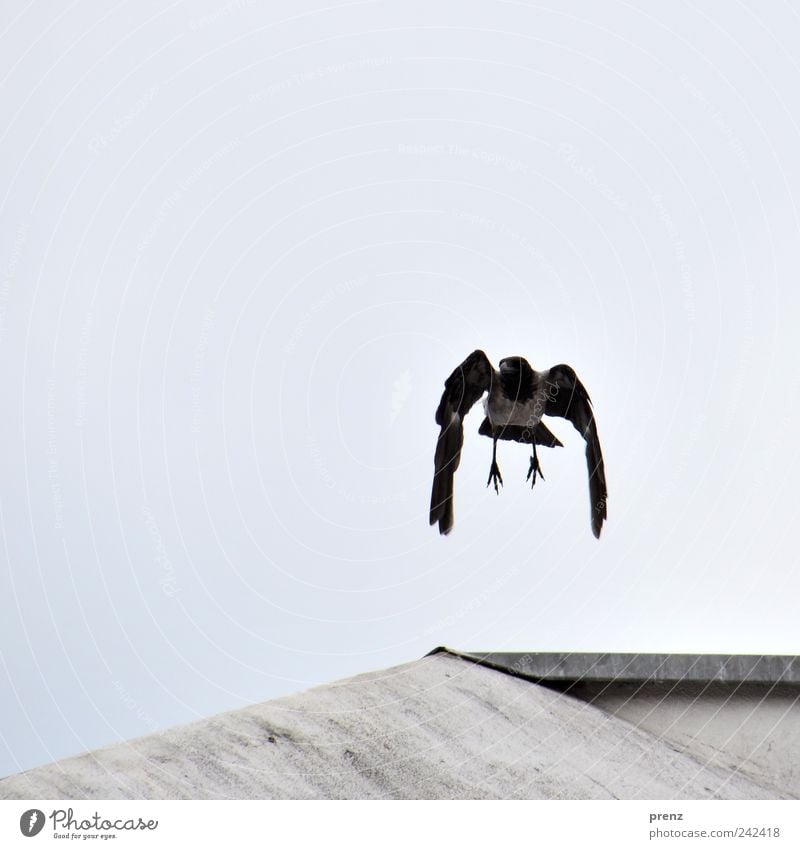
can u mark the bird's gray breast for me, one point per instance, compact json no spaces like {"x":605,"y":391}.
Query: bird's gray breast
{"x":502,"y":410}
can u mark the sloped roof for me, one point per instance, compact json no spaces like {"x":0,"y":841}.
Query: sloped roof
{"x":439,"y":727}
{"x":639,"y":668}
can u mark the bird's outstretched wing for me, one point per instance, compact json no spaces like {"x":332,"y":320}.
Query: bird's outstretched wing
{"x":461,"y":390}
{"x":568,"y":398}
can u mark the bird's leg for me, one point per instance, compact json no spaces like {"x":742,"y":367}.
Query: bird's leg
{"x":534,"y":468}
{"x":494,"y":471}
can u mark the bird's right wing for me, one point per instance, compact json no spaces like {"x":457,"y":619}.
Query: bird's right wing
{"x":461,"y":390}
{"x":567,"y":397}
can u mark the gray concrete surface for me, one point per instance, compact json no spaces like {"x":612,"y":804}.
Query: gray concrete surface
{"x":440,"y":727}
{"x":752,"y":728}
{"x":621,"y":667}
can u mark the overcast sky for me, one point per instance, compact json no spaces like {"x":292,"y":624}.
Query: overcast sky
{"x":242,"y":248}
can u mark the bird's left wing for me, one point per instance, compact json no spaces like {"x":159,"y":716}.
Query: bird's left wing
{"x":567,"y":397}
{"x":461,"y":390}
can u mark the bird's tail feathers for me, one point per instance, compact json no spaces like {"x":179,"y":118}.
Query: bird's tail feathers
{"x":518,"y":433}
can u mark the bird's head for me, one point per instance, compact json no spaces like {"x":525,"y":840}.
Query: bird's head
{"x":517,"y":376}
{"x":515,"y":365}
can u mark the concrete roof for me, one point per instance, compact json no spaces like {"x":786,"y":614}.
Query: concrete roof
{"x":620,"y":667}
{"x":440,"y":727}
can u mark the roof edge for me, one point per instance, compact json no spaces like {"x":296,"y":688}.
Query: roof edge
{"x":575,"y":667}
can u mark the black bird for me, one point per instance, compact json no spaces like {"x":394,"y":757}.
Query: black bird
{"x":518,"y":398}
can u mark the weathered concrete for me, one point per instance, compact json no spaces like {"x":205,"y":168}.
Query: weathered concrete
{"x":741,"y":711}
{"x":441,"y":727}
{"x":751,"y":728}
{"x":621,"y":667}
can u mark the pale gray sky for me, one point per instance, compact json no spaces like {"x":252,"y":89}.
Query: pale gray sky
{"x":243,"y":246}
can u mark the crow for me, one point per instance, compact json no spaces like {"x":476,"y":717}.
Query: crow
{"x":518,"y":397}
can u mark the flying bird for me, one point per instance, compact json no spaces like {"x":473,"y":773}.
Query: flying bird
{"x":518,"y":396}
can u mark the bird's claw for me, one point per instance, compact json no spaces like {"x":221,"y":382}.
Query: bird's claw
{"x":533,"y":470}
{"x":494,"y":477}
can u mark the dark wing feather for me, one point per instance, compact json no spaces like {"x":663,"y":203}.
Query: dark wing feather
{"x":461,"y":390}
{"x":568,"y":398}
